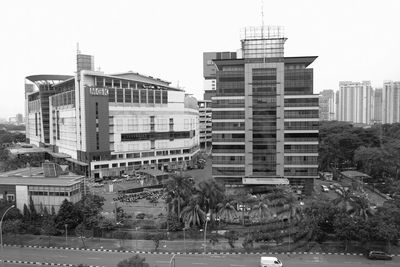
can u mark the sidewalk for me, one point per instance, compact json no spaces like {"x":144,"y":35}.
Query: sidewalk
{"x":114,"y":244}
{"x":174,"y":246}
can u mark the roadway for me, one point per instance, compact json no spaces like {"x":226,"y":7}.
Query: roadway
{"x":110,"y":259}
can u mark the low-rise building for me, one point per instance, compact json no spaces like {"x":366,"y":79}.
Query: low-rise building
{"x":46,"y":190}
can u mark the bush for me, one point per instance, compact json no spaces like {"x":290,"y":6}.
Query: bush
{"x":248,"y":242}
{"x":231,"y":236}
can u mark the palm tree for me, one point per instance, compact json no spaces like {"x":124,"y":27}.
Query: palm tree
{"x":227,"y":211}
{"x":211,"y":194}
{"x":179,"y":190}
{"x":361,"y":208}
{"x":262,"y":209}
{"x":344,"y":200}
{"x":192,"y":214}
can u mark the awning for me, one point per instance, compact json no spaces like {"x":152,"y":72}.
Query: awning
{"x":77,"y":162}
{"x":59,"y":155}
{"x":264,"y":181}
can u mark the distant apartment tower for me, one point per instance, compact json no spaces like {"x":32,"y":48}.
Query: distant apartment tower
{"x":19,"y":118}
{"x":327,"y":106}
{"x":377,"y":106}
{"x":205,"y":124}
{"x":355,"y":102}
{"x":265,"y":116}
{"x":391,"y":102}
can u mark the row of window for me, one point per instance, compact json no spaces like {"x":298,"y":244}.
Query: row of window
{"x":144,"y":96}
{"x":63,"y":99}
{"x":140,"y":163}
{"x":127,"y":137}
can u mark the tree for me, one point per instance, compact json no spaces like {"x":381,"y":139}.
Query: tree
{"x":121,"y":236}
{"x":134,"y":261}
{"x":178,"y":189}
{"x":89,"y":208}
{"x":345,"y":228}
{"x":49,"y":227}
{"x":211,"y":194}
{"x":174,"y":223}
{"x":80,"y":232}
{"x":192,"y":214}
{"x":226,"y":211}
{"x":248,"y":242}
{"x":32,"y":210}
{"x":156,"y":240}
{"x":67,"y":214}
{"x":12,"y":226}
{"x":107,"y":224}
{"x":262,"y":209}
{"x":361,"y":207}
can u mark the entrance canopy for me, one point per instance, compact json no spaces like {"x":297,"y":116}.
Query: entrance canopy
{"x":265,"y":181}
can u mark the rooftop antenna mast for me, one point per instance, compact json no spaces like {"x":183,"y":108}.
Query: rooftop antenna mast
{"x":262,"y":19}
{"x":77,"y":48}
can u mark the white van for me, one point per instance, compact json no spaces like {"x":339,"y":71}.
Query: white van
{"x":270,"y":262}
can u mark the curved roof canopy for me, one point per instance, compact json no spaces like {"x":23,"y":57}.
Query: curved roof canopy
{"x":48,"y":78}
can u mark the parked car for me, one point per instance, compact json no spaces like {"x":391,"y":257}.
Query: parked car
{"x":378,"y":255}
{"x":339,"y":192}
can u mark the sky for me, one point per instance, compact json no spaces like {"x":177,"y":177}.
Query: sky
{"x":354,"y":40}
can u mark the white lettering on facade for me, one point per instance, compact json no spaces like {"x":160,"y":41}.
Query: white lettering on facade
{"x":98,"y":91}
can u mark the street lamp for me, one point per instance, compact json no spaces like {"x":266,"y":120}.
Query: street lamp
{"x":1,"y":233}
{"x":66,"y":234}
{"x":172,"y":261}
{"x":205,"y":232}
{"x":184,"y":238}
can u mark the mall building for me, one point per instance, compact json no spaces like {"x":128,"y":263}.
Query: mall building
{"x":109,"y":124}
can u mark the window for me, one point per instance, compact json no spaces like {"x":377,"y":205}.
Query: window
{"x":120,"y":95}
{"x":128,"y":95}
{"x":108,"y":83}
{"x":111,"y":95}
{"x":135,"y":96}
{"x":164,"y":97}
{"x":151,"y":96}
{"x":117,"y":83}
{"x":143,"y":96}
{"x":158,"y":97}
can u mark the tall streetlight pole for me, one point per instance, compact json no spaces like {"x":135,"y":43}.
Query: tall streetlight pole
{"x":1,"y":233}
{"x":66,"y":234}
{"x":205,"y":232}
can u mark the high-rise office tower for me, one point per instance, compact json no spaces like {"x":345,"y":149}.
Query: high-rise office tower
{"x":391,"y":102}
{"x":355,"y":102}
{"x":327,"y":107}
{"x":265,"y":116}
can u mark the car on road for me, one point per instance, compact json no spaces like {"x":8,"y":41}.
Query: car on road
{"x":270,"y":262}
{"x":324,"y":188}
{"x":378,"y":255}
